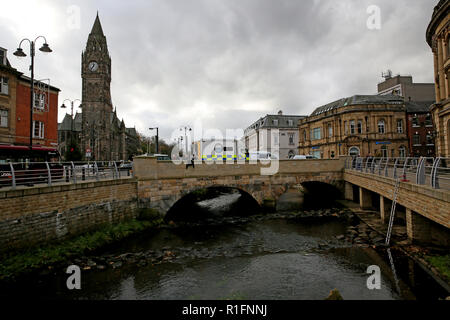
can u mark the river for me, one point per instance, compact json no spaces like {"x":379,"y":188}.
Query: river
{"x":264,"y":256}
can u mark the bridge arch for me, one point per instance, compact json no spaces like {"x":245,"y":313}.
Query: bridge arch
{"x":204,"y":203}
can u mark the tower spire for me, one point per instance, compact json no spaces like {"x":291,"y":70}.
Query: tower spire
{"x":97,"y":27}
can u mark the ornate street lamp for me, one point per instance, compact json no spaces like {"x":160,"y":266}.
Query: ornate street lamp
{"x":19,"y":53}
{"x":71,"y":114}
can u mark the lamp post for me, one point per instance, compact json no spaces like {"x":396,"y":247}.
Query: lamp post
{"x":71,"y":115}
{"x":186,"y":128}
{"x":157,"y":143}
{"x":19,"y":53}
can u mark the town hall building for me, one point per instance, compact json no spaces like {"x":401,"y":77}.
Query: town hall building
{"x":101,"y":135}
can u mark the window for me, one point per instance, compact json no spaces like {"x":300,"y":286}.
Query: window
{"x":381,"y":126}
{"x":399,"y":126}
{"x":345,"y":127}
{"x":316,"y":134}
{"x":38,"y":129}
{"x":304,"y":135}
{"x":4,"y":118}
{"x":384,"y":151}
{"x":39,"y":100}
{"x":360,"y":130}
{"x":352,"y":127}
{"x":430,"y":140}
{"x":428,"y":121}
{"x":415,"y":121}
{"x":330,"y":131}
{"x":402,"y":152}
{"x":291,"y":139}
{"x":275,"y":122}
{"x":290,"y":123}
{"x":354,"y":151}
{"x":416,"y":139}
{"x":4,"y":85}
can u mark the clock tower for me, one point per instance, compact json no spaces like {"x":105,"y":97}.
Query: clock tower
{"x":97,"y":115}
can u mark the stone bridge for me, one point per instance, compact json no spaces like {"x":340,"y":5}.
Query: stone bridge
{"x":161,"y":183}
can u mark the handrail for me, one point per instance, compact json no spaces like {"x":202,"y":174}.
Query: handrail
{"x":28,"y":174}
{"x":434,"y":172}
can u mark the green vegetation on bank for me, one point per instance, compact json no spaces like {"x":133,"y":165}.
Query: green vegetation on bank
{"x":441,"y":263}
{"x":37,"y":258}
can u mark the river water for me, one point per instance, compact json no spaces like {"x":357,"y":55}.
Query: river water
{"x":266,"y":256}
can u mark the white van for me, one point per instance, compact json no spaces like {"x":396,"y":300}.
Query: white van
{"x":302,"y":157}
{"x":261,"y":155}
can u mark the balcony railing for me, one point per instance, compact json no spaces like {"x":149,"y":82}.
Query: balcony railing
{"x":29,"y":174}
{"x":434,"y":172}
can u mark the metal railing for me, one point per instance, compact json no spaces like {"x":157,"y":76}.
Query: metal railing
{"x":13,"y":174}
{"x":434,"y":172}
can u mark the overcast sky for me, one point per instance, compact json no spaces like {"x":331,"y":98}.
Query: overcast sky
{"x":223,"y":62}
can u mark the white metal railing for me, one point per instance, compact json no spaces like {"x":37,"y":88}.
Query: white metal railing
{"x":434,"y":172}
{"x":13,"y":174}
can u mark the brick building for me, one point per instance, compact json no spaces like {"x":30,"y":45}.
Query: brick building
{"x":8,"y":84}
{"x":438,"y":38}
{"x":420,"y":129}
{"x":15,"y":108}
{"x":419,"y":97}
{"x":359,"y":125}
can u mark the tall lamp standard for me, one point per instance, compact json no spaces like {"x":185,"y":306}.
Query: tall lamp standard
{"x":157,"y":139}
{"x":186,"y":128}
{"x":19,"y":53}
{"x":71,"y":115}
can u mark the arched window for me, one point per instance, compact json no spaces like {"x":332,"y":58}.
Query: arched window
{"x":353,"y":151}
{"x":381,"y":126}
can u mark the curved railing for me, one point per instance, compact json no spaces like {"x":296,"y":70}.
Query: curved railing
{"x":434,"y":172}
{"x":13,"y":174}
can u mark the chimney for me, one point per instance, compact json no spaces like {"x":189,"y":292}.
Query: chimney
{"x":280,"y":113}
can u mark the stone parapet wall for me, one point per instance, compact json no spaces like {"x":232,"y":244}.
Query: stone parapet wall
{"x":31,"y":216}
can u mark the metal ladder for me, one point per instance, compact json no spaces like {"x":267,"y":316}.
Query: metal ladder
{"x":391,"y":218}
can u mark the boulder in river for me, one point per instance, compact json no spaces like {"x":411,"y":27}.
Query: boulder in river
{"x":334,"y":295}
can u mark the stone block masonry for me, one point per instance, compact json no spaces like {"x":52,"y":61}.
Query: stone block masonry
{"x":30,"y":216}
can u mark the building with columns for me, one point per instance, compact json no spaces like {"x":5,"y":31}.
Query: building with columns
{"x":438,"y":37}
{"x":362,"y":125}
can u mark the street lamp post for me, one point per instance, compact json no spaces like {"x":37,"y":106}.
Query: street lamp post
{"x":71,"y":115}
{"x":186,"y":128}
{"x":19,"y":53}
{"x":157,"y":139}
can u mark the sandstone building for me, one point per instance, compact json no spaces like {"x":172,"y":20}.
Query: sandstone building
{"x":362,"y":125}
{"x":438,"y":37}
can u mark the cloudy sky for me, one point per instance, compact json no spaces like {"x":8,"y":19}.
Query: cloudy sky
{"x":224,"y":62}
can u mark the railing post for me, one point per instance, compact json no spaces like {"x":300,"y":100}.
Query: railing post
{"x":116,"y":171}
{"x":395,"y":168}
{"x":434,"y":175}
{"x":404,"y":177}
{"x":420,"y":172}
{"x":96,"y":171}
{"x":49,"y":174}
{"x":379,"y":166}
{"x":13,"y":174}
{"x":74,"y":173}
{"x":372,"y":168}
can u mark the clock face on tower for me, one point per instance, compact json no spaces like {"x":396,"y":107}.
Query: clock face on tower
{"x":93,"y":66}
